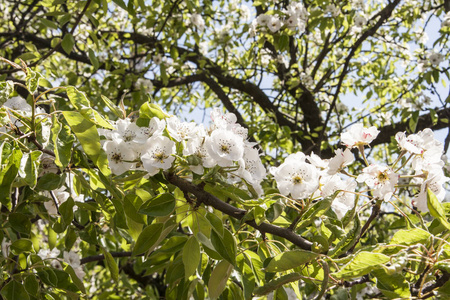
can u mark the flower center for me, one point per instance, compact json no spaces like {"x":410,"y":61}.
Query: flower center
{"x":160,"y":156}
{"x":382,"y":176}
{"x":297,"y":179}
{"x":117,"y":157}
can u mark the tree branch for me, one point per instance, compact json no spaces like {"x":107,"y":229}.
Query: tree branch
{"x":235,"y":212}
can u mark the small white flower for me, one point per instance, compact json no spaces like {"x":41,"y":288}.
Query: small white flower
{"x":296,"y":177}
{"x":340,"y":160}
{"x":155,"y":127}
{"x":345,"y":200}
{"x":197,"y":21}
{"x":263,"y":20}
{"x":145,"y":84}
{"x":47,"y":254}
{"x":274,"y":24}
{"x":47,"y":165}
{"x":435,"y":58}
{"x":180,"y":131}
{"x":333,"y":10}
{"x":298,"y":10}
{"x":158,"y":154}
{"x":19,"y":104}
{"x":358,"y":135}
{"x":158,"y":59}
{"x":120,"y":156}
{"x":412,"y":143}
{"x":72,"y":258}
{"x":380,"y":179}
{"x":251,"y":167}
{"x":360,"y":21}
{"x":225,"y":147}
{"x":435,"y":181}
{"x":126,"y":131}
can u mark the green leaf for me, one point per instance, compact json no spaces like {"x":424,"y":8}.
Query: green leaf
{"x":436,"y":209}
{"x":113,"y":108}
{"x":149,"y":110}
{"x":289,"y":260}
{"x":318,"y":209}
{"x":87,"y":134}
{"x":14,"y":290}
{"x":7,"y":175}
{"x":191,"y":256}
{"x":277,"y":283}
{"x":82,"y":104}
{"x":62,"y":143}
{"x":219,"y":278}
{"x":66,"y":211}
{"x":49,"y":182}
{"x":410,"y":237}
{"x":93,"y":59}
{"x":216,"y":223}
{"x":29,"y":167}
{"x":67,"y":43}
{"x":111,"y":265}
{"x":31,"y":284}
{"x":392,"y":285}
{"x":121,"y":3}
{"x":119,"y":215}
{"x":20,"y":222}
{"x":22,"y":245}
{"x":362,"y":264}
{"x":414,"y":119}
{"x":130,"y":209}
{"x":69,"y":270}
{"x":160,"y":206}
{"x":349,"y":240}
{"x":32,"y":80}
{"x":148,"y":237}
{"x":6,"y":89}
{"x":225,"y":246}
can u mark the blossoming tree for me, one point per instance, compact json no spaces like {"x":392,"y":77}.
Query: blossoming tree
{"x":315,"y":171}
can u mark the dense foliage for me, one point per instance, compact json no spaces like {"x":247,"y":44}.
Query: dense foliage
{"x":312,"y":168}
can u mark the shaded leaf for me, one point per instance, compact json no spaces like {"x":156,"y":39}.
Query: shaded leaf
{"x":191,"y":256}
{"x":219,"y":278}
{"x":148,"y":238}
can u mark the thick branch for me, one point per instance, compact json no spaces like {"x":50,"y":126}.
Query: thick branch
{"x":424,"y":121}
{"x":236,"y":213}
{"x":384,"y":14}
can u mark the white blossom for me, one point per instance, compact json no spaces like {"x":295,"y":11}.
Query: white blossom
{"x":197,"y":21}
{"x":359,"y":135}
{"x":360,"y":21}
{"x":145,"y":84}
{"x":180,"y":131}
{"x":435,"y":58}
{"x":340,"y":160}
{"x":73,"y":259}
{"x":435,"y":181}
{"x":158,"y":154}
{"x":120,"y":156}
{"x":251,"y":167}
{"x":274,"y":24}
{"x":344,"y":200}
{"x":296,"y":177}
{"x":380,"y":179}
{"x":225,"y":147}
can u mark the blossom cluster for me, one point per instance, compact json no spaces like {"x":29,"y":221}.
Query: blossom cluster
{"x":294,"y":17}
{"x":303,"y":176}
{"x":156,"y":146}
